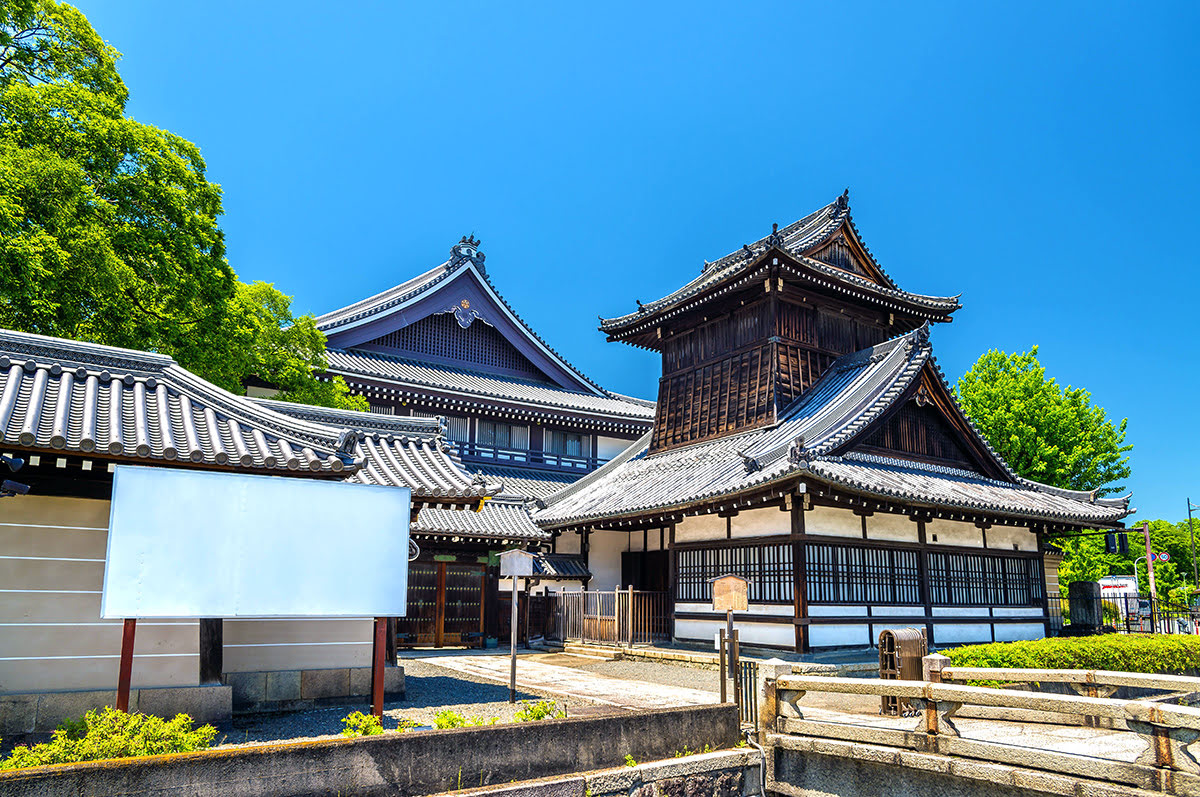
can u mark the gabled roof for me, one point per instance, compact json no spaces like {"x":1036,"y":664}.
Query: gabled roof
{"x":404,"y":374}
{"x":796,"y":241}
{"x":125,"y":405}
{"x":814,"y":439}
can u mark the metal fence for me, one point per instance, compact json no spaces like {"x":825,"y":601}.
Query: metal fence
{"x":618,"y":617}
{"x":1129,"y":614}
{"x":748,"y":676}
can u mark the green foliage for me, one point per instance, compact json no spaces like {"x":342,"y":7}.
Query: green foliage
{"x":541,"y":710}
{"x":1085,"y":560}
{"x":449,"y":718}
{"x":406,"y":725}
{"x":108,"y":226}
{"x":1144,"y":653}
{"x":360,"y":724}
{"x":113,"y":734}
{"x":630,"y":761}
{"x":1045,"y":432}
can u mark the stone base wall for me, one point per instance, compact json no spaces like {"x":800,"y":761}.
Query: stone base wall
{"x":293,"y":690}
{"x":42,"y":712}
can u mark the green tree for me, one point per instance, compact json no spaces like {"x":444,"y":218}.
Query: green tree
{"x":108,"y":226}
{"x":1045,"y":432}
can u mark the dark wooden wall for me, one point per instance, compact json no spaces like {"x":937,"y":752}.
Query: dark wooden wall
{"x":922,"y":432}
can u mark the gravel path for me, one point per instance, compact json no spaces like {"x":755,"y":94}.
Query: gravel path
{"x":428,"y":690}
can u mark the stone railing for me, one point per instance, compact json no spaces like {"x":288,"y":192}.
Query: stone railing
{"x":1166,"y":764}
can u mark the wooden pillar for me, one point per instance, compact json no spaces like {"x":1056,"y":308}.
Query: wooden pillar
{"x":378,"y":648}
{"x":923,"y":576}
{"x":585,"y":546}
{"x":212,"y":650}
{"x":672,"y":587}
{"x":125,"y":671}
{"x":799,"y":575}
{"x":439,"y":620}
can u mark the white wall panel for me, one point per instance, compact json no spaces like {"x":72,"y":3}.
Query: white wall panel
{"x":832,"y":521}
{"x":953,"y":532}
{"x":824,"y":636}
{"x":1012,"y":632}
{"x":700,"y":527}
{"x":961,"y":634}
{"x":896,"y":528}
{"x":1005,"y":537}
{"x":762,"y":522}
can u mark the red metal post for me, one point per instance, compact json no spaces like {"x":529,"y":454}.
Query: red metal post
{"x":125,"y":676}
{"x":377,"y":653}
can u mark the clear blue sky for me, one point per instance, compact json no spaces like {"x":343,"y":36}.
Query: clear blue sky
{"x":1039,"y":158}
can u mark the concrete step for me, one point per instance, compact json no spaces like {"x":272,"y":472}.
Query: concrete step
{"x":592,"y":651}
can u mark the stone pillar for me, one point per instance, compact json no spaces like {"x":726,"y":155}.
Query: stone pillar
{"x":768,"y":705}
{"x":932,"y":666}
{"x":1086,"y":612}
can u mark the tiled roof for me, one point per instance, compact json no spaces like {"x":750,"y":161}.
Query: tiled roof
{"x":857,"y":390}
{"x":524,"y":484}
{"x":560,"y":567}
{"x":354,"y":363}
{"x":362,"y":421}
{"x":122,"y":404}
{"x":66,"y":395}
{"x":499,"y":519}
{"x":798,"y":237}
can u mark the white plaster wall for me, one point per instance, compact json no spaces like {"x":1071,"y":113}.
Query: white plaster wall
{"x":1004,"y":537}
{"x":609,"y":447}
{"x":1019,"y":631}
{"x":832,"y":521}
{"x":604,"y":558}
{"x":762,"y":522}
{"x":825,"y":636}
{"x":777,"y":635}
{"x":763,"y":609}
{"x":897,"y":611}
{"x":896,"y":528}
{"x":654,"y":540}
{"x":568,"y":542}
{"x":960,"y":611}
{"x":962,"y":634}
{"x":837,"y":611}
{"x":700,"y":527}
{"x":954,"y":532}
{"x":1014,"y":611}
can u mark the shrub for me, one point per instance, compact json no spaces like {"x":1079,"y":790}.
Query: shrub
{"x":541,"y":710}
{"x":452,"y":719}
{"x":630,"y":761}
{"x":113,"y":734}
{"x":1144,"y":653}
{"x":360,"y":724}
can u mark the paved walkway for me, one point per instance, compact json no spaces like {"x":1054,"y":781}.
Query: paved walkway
{"x":567,"y":682}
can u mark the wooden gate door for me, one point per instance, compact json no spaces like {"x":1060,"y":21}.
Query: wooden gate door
{"x":462,"y":603}
{"x":419,"y":625}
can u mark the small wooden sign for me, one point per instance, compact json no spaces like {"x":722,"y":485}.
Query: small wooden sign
{"x":516,"y":563}
{"x":730,"y":593}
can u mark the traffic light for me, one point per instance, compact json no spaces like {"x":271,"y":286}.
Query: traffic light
{"x":1123,"y":544}
{"x":1110,"y":543}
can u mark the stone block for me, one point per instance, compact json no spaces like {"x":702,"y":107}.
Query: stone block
{"x":549,"y":787}
{"x":54,"y":707}
{"x":924,"y":761}
{"x":283,"y":685}
{"x":18,"y":714}
{"x":204,"y":704}
{"x":360,"y":682}
{"x":393,"y":681}
{"x":1043,"y":782}
{"x":249,"y":688}
{"x":317,"y":684}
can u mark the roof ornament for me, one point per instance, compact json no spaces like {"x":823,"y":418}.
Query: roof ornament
{"x":922,"y":396}
{"x":775,"y":238}
{"x":750,"y":462}
{"x":346,"y":443}
{"x":467,"y":248}
{"x":796,"y":451}
{"x":747,"y":251}
{"x":639,"y":304}
{"x":842,"y":202}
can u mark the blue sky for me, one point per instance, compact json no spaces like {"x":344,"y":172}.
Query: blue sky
{"x":1039,"y":159}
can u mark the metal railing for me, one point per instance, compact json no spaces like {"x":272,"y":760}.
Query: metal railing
{"x":618,"y":617}
{"x":748,"y":674}
{"x":1128,"y":614}
{"x":547,"y":460}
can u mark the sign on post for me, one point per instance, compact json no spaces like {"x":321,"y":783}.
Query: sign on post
{"x":514,"y":565}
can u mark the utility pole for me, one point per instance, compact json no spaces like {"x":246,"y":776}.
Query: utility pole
{"x":1192,"y":530}
{"x":1149,"y":559}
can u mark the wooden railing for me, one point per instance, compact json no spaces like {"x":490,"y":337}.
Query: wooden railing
{"x":543,"y":460}
{"x":1167,"y":729}
{"x":616,"y":617}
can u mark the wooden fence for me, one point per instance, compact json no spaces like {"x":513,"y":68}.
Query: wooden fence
{"x":618,"y":617}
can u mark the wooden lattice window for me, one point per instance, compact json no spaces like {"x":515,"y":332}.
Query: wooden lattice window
{"x":503,"y":435}
{"x":860,"y":574}
{"x":969,"y":579}
{"x":568,"y":444}
{"x":767,"y":566}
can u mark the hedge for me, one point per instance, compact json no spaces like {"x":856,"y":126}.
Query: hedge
{"x":1144,"y":653}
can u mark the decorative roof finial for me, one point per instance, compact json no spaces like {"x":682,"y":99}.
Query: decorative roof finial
{"x":467,"y":248}
{"x":796,"y":451}
{"x":639,"y":304}
{"x":750,"y":462}
{"x":843,"y":201}
{"x":775,"y":238}
{"x":346,"y":443}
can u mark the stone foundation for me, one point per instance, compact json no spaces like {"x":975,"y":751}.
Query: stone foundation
{"x":41,"y":713}
{"x":293,"y":690}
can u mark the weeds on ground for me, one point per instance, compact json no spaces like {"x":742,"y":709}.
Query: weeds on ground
{"x":630,"y":761}
{"x":541,"y":710}
{"x":110,"y":733}
{"x":452,"y":719}
{"x":360,"y":724}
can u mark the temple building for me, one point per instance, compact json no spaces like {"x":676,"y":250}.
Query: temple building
{"x":74,"y":411}
{"x":445,"y":344}
{"x":805,"y":438}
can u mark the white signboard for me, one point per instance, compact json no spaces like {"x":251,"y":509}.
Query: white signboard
{"x":191,"y":543}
